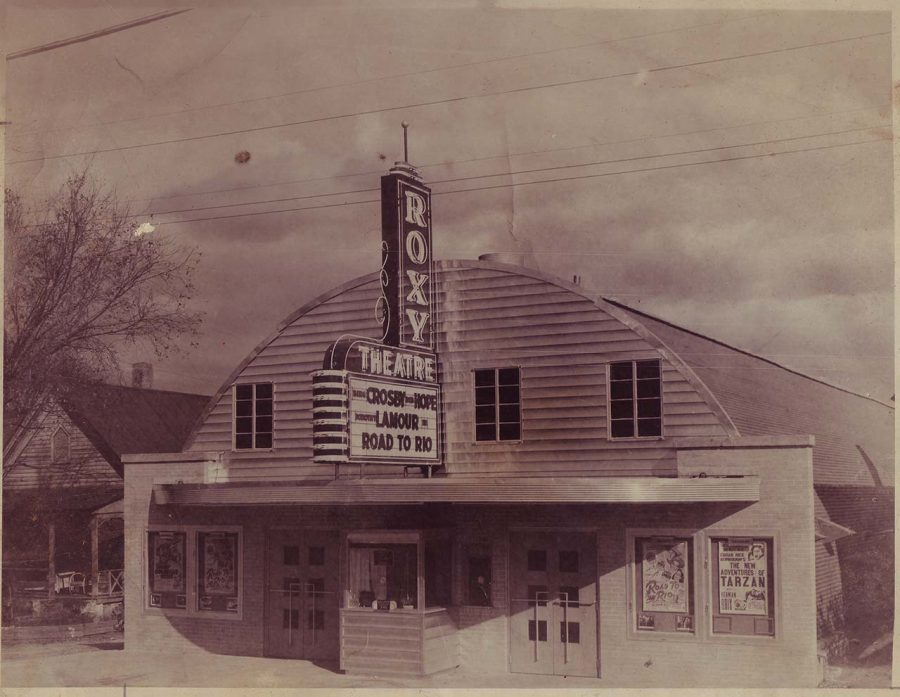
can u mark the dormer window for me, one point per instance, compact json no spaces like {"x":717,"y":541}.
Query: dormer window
{"x":60,"y":446}
{"x":635,"y":399}
{"x":253,"y":416}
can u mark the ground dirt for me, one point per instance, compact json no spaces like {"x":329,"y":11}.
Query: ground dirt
{"x":104,"y":661}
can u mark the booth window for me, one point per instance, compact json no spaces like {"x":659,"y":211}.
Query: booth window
{"x":383,"y":576}
{"x":497,"y":404}
{"x":217,"y":572}
{"x":253,"y":416}
{"x":635,"y":399}
{"x":664,"y":584}
{"x":743,"y":586}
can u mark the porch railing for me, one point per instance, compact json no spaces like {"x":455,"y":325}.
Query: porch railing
{"x":110,"y":582}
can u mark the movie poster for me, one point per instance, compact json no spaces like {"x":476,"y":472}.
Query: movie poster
{"x":743,"y":577}
{"x":167,"y":557}
{"x":219,"y":563}
{"x":664,"y":573}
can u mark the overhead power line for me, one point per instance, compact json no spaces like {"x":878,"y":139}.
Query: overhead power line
{"x":517,"y":90}
{"x":518,"y":172}
{"x":531,"y":183}
{"x":444,"y":163}
{"x":383,"y":78}
{"x":94,"y":34}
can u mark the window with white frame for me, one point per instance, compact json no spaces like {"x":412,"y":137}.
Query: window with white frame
{"x":194,"y":570}
{"x":498,"y":414}
{"x":253,"y":416}
{"x":635,"y":399}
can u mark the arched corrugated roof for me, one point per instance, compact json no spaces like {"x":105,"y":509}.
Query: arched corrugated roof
{"x":450,"y":265}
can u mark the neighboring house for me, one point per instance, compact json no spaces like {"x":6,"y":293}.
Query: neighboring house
{"x":62,"y":484}
{"x":553,"y":483}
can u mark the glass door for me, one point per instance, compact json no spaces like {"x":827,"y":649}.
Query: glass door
{"x":553,"y":603}
{"x":302,"y":614}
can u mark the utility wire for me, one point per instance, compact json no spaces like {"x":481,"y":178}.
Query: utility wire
{"x":510,"y":174}
{"x":499,"y":157}
{"x":356,"y":83}
{"x":513,"y":184}
{"x":660,"y":167}
{"x":448,"y":100}
{"x":94,"y":34}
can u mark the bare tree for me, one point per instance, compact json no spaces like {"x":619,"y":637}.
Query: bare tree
{"x":81,"y":280}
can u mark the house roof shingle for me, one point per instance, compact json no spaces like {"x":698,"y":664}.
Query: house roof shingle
{"x":120,"y":420}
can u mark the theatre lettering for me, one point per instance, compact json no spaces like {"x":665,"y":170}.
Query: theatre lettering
{"x":379,"y":402}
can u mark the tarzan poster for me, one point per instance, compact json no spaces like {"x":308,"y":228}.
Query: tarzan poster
{"x":743,"y":577}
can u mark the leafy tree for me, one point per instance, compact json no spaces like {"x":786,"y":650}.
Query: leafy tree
{"x":82,"y":279}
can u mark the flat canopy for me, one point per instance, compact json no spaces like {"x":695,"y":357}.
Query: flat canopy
{"x":464,"y":490}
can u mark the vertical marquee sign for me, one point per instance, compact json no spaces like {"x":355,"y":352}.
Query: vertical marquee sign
{"x":406,"y":261}
{"x":379,"y":401}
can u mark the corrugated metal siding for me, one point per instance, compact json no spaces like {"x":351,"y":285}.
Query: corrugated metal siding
{"x":484,"y":318}
{"x":860,"y":508}
{"x":34,"y":467}
{"x":765,"y":399}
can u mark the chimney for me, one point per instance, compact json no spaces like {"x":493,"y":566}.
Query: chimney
{"x":142,"y":375}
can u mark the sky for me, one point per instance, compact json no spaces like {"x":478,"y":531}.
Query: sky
{"x":729,"y":171}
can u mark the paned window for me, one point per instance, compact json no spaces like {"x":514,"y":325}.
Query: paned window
{"x":498,"y":414}
{"x":664,"y":584}
{"x":743,"y":586}
{"x":635,"y":399}
{"x":253,"y":413}
{"x":60,"y":446}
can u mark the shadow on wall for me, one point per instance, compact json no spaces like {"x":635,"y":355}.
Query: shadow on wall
{"x":247,"y":635}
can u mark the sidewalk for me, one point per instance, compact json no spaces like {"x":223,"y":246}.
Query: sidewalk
{"x":100,"y":661}
{"x":76,"y":664}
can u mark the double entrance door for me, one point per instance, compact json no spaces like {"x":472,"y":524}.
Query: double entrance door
{"x":302,"y":598}
{"x":553,"y":603}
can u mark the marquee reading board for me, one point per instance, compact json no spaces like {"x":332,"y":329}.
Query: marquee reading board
{"x":392,"y":420}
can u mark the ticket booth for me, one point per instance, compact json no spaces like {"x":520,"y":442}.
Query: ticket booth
{"x":395,"y":618}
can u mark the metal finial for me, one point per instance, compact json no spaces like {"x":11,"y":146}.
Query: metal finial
{"x":405,"y":145}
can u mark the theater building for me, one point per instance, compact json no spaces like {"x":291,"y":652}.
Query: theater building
{"x":501,"y":472}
